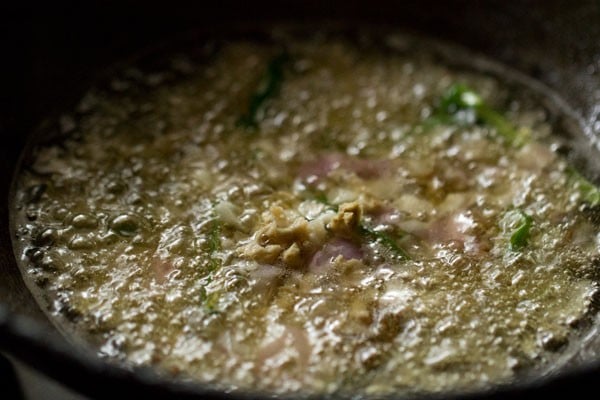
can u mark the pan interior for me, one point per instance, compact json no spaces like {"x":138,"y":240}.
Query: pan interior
{"x":144,"y":216}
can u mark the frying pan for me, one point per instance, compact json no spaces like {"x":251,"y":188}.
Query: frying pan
{"x":52,"y":52}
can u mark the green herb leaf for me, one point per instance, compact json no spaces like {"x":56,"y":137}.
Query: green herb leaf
{"x":385,"y":240}
{"x":459,"y":97}
{"x":466,"y":106}
{"x":268,"y":87}
{"x":590,"y":193}
{"x":214,"y":245}
{"x":520,"y":235}
{"x":210,"y":301}
{"x":321,"y":197}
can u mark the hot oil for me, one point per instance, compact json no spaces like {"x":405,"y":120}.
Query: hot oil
{"x":147,"y":226}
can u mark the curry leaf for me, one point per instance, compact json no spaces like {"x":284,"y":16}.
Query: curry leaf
{"x":590,"y":193}
{"x":321,"y":197}
{"x":209,"y":301}
{"x":460,"y":98}
{"x":214,"y":245}
{"x":385,"y":240}
{"x":268,"y":87}
{"x":465,"y":106}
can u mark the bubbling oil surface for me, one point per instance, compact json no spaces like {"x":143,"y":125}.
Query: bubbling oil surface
{"x":169,"y":234}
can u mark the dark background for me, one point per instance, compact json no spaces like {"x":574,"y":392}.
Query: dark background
{"x":49,"y":49}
